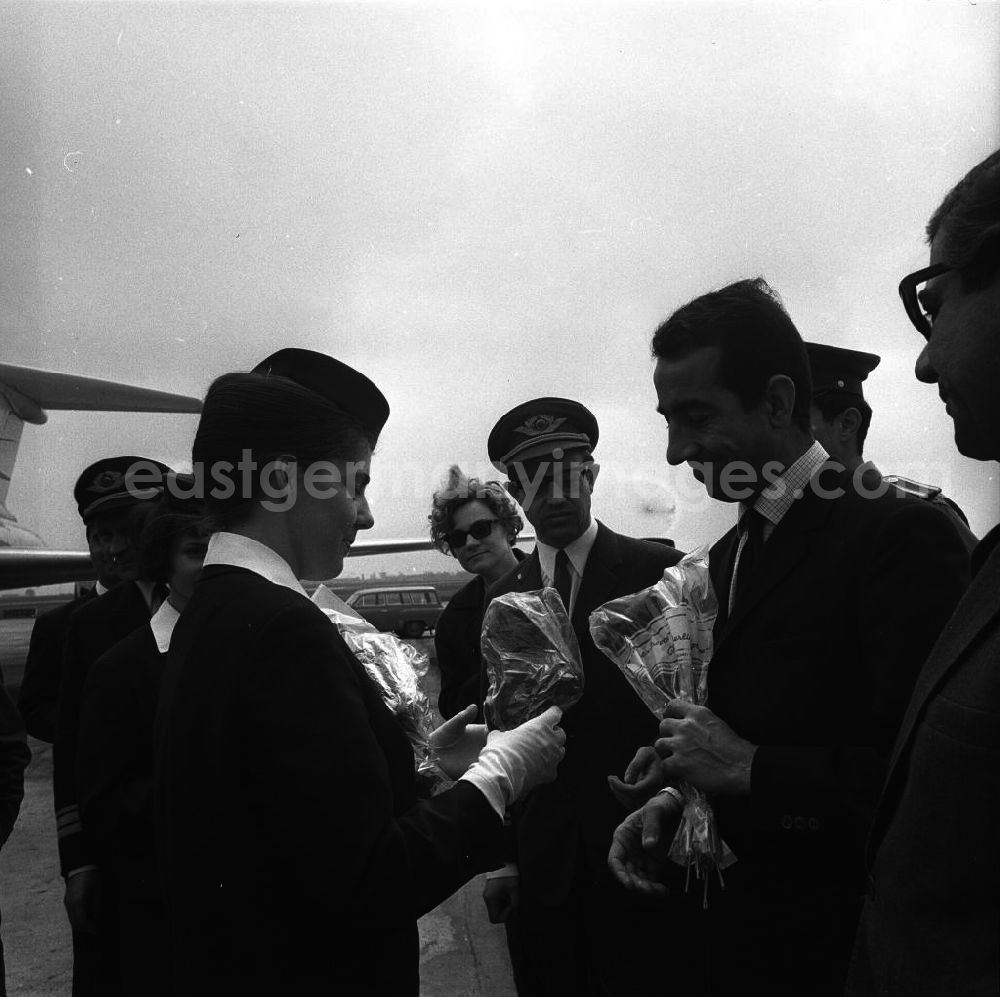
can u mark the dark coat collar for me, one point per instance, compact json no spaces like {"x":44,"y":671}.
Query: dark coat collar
{"x":471,"y":595}
{"x":978,"y":607}
{"x":598,"y":576}
{"x":790,"y":542}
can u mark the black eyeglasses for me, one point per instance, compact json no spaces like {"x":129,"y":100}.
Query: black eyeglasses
{"x":479,"y":530}
{"x":911,"y":302}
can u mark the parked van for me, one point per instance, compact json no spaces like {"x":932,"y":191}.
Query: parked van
{"x":409,"y":609}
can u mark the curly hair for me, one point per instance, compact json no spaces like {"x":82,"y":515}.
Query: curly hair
{"x":456,"y":490}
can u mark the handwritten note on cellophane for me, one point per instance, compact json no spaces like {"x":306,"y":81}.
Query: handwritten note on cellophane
{"x":661,"y":637}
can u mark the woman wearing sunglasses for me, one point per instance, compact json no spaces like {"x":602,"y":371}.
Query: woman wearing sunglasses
{"x":477,"y":523}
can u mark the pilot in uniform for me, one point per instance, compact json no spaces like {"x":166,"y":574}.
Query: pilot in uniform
{"x":841,"y":418}
{"x":572,"y":929}
{"x":109,"y":501}
{"x":39,"y":693}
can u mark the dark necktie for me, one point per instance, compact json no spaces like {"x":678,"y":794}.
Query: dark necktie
{"x":160,"y":592}
{"x":562,"y":578}
{"x":751,"y":526}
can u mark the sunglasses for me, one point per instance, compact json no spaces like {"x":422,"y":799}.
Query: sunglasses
{"x":479,"y":530}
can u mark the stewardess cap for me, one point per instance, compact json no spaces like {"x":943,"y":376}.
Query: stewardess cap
{"x":342,"y":386}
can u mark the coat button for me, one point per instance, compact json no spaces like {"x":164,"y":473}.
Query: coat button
{"x":800,"y":823}
{"x":786,"y":822}
{"x":813,"y":823}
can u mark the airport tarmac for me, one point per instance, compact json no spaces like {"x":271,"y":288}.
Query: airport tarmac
{"x":461,"y":953}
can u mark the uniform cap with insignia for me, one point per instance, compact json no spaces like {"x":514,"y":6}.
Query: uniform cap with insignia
{"x":339,"y":385}
{"x":540,"y":427}
{"x":113,"y":482}
{"x":836,"y":370}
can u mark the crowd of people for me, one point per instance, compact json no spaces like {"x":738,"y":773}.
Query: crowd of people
{"x":238,"y":812}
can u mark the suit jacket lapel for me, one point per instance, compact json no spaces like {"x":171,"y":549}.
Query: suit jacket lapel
{"x":788,"y":544}
{"x":598,"y":583}
{"x":978,"y":607}
{"x":529,"y":574}
{"x":720,"y":570}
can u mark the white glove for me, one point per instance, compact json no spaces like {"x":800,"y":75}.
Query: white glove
{"x":515,"y":761}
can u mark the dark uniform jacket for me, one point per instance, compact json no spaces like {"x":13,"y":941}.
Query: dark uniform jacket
{"x":115,"y":783}
{"x":457,"y":647}
{"x":14,"y":758}
{"x":39,"y":693}
{"x":603,"y":729}
{"x":94,"y":628}
{"x":815,"y":667}
{"x":294,"y":854}
{"x":931,"y":923}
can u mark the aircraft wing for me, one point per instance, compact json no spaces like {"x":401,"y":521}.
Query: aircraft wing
{"x":21,"y":568}
{"x":25,"y":394}
{"x":367,"y":547}
{"x":26,"y":567}
{"x":30,"y":391}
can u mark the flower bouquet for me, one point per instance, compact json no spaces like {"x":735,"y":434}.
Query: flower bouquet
{"x":661,"y":639}
{"x":531,"y":655}
{"x":396,"y":668}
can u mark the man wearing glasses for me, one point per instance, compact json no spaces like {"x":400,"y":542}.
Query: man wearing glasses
{"x":574,"y":931}
{"x":930,"y":923}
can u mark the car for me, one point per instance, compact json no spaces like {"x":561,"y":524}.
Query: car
{"x":409,"y":610}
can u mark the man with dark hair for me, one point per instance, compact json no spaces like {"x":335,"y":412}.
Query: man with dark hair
{"x":39,"y":695}
{"x":112,"y":505}
{"x":841,"y":418}
{"x":828,"y":602}
{"x":573,"y":931}
{"x":930,"y":920}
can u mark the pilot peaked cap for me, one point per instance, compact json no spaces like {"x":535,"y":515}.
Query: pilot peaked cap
{"x":540,"y":428}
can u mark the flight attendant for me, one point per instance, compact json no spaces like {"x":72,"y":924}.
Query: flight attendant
{"x":115,"y":750}
{"x":294,"y":854}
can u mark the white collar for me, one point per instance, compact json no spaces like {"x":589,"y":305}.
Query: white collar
{"x":578,"y":551}
{"x":100,"y":589}
{"x":241,"y":552}
{"x":162,"y":625}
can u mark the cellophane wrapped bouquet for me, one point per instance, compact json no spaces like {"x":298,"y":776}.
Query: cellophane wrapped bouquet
{"x":661,"y":639}
{"x":531,"y":655}
{"x":396,"y":668}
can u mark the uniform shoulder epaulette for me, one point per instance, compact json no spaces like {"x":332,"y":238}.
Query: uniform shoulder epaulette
{"x":911,"y":487}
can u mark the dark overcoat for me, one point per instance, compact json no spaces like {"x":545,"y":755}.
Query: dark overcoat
{"x":115,"y":783}
{"x":39,"y":695}
{"x":931,"y":923}
{"x":94,"y":627}
{"x":457,"y":647}
{"x":293,"y":851}
{"x":815,"y":667}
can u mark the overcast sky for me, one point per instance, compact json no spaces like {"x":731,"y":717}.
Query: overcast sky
{"x":473,"y":205}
